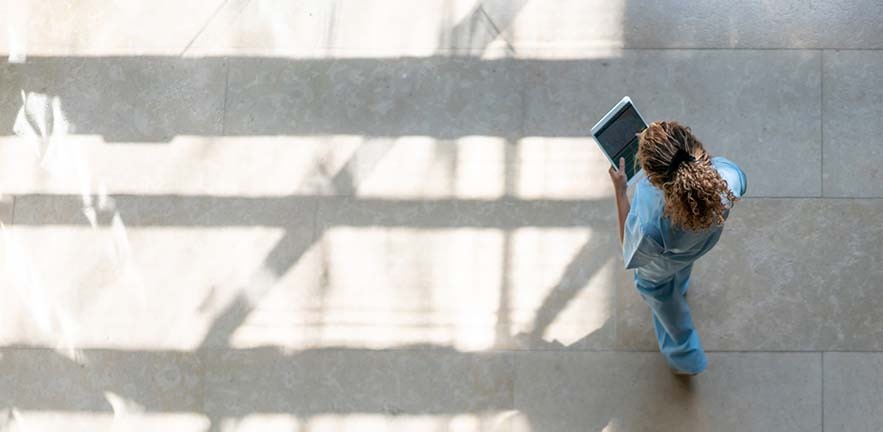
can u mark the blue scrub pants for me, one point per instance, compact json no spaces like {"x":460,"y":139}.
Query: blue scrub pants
{"x":678,"y":340}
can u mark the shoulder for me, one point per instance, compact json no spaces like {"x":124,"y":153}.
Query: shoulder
{"x":647,"y":202}
{"x":734,"y":175}
{"x":645,"y":193}
{"x":647,"y":208}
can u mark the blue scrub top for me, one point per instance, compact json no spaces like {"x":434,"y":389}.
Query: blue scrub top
{"x":653,"y":246}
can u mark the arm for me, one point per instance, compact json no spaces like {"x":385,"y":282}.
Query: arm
{"x":622,"y":210}
{"x":620,"y":186}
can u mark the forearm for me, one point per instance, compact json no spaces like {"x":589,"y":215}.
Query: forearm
{"x":622,"y":210}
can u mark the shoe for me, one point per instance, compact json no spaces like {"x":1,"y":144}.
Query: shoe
{"x":681,"y":373}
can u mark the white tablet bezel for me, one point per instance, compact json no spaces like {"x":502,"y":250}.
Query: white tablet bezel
{"x":620,"y":106}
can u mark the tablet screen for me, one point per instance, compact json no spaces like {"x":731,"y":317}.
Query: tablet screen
{"x":619,"y":138}
{"x":620,"y":131}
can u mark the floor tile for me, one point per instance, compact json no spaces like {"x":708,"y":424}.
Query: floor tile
{"x":316,"y":28}
{"x":740,"y":104}
{"x":340,"y":381}
{"x":788,"y":274}
{"x":246,"y":167}
{"x":673,"y":24}
{"x":264,"y":27}
{"x":313,"y":27}
{"x":488,"y":273}
{"x":7,"y":207}
{"x":474,"y":167}
{"x":122,"y":99}
{"x":346,"y":215}
{"x":130,"y":418}
{"x":636,"y":392}
{"x":161,"y":272}
{"x":852,"y":111}
{"x":531,"y":29}
{"x":852,"y":391}
{"x":440,"y":98}
{"x":100,"y":380}
{"x":99,"y":28}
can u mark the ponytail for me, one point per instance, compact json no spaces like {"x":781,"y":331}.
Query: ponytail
{"x":696,"y":196}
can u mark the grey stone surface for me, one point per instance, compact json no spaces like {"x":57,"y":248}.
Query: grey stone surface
{"x":852,"y":391}
{"x":342,"y":381}
{"x":7,"y":207}
{"x":339,"y":28}
{"x":787,"y":275}
{"x":743,"y":105}
{"x":519,"y":273}
{"x":313,"y":27}
{"x":170,"y":210}
{"x":439,"y":97}
{"x":752,"y":24}
{"x":244,"y":166}
{"x":123,"y":99}
{"x":198,"y":265}
{"x":260,"y":215}
{"x":580,"y":25}
{"x":97,"y":27}
{"x":502,"y":213}
{"x":636,"y":392}
{"x":90,"y":380}
{"x":853,"y":109}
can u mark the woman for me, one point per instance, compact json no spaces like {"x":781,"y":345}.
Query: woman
{"x":676,"y":216}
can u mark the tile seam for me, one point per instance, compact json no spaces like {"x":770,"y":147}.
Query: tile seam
{"x":822,"y":122}
{"x":751,"y":197}
{"x":430,"y":350}
{"x":524,"y":49}
{"x":316,"y":222}
{"x":204,"y":27}
{"x":202,"y":358}
{"x":226,"y":92}
{"x":497,"y":32}
{"x":418,"y":199}
{"x":283,"y":52}
{"x":514,"y":373}
{"x":561,"y":351}
{"x":528,"y":48}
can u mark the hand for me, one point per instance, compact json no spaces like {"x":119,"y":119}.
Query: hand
{"x":620,"y":182}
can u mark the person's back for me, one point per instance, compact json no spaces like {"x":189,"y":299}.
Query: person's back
{"x":673,"y":247}
{"x":675,"y":217}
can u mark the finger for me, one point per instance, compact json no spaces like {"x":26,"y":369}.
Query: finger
{"x":622,"y":164}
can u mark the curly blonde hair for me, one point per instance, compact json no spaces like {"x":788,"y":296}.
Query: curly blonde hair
{"x":677,"y":163}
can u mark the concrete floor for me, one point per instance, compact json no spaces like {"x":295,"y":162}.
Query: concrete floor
{"x":386,"y":215}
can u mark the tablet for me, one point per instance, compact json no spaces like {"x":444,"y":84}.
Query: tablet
{"x":617,"y":135}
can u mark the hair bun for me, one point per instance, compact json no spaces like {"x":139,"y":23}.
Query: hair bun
{"x":680,"y":157}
